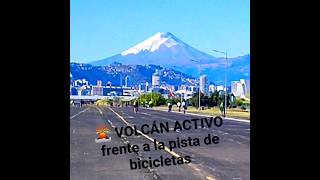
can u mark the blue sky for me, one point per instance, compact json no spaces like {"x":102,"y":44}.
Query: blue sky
{"x":102,"y":28}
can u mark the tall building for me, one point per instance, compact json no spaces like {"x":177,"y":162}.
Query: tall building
{"x":239,"y":88}
{"x":120,"y":80}
{"x":204,"y":84}
{"x":211,"y":88}
{"x":155,"y":80}
{"x":99,"y":83}
{"x":234,"y":90}
{"x":144,"y":86}
{"x":97,"y":90}
{"x":243,"y":88}
{"x":127,"y":83}
{"x":247,"y":82}
{"x":220,"y":88}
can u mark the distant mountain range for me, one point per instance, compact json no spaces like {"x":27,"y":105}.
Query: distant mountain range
{"x":116,"y":73}
{"x":167,"y":51}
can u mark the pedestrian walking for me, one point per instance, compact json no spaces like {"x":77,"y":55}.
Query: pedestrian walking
{"x":184,"y":106}
{"x":179,"y":106}
{"x":135,"y":106}
{"x":221,"y":107}
{"x":169,"y":107}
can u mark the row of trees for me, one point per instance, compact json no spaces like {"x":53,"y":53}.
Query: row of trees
{"x":216,"y":99}
{"x":116,"y":101}
{"x":211,"y":100}
{"x":151,"y":99}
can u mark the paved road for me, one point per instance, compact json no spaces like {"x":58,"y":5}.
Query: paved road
{"x":229,"y":159}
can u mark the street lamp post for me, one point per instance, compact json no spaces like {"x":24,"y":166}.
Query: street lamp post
{"x":199,"y":87}
{"x":225,"y":81}
{"x":181,"y":87}
{"x":199,"y":78}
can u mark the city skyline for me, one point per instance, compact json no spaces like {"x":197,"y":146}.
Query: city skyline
{"x":237,"y":88}
{"x":156,"y":82}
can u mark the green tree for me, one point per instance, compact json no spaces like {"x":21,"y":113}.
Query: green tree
{"x":239,"y":102}
{"x":152,"y":99}
{"x":221,"y":98}
{"x":215,"y":98}
{"x":195,"y":100}
{"x":205,"y":101}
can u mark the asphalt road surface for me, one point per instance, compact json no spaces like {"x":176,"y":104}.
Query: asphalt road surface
{"x":229,"y":159}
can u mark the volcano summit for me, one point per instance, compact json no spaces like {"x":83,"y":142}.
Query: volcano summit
{"x":163,"y":49}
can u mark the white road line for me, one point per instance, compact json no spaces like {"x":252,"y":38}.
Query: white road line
{"x":99,"y":111}
{"x":78,"y":113}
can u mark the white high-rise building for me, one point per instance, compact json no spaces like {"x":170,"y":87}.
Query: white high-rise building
{"x":99,"y":83}
{"x":203,"y":84}
{"x":238,"y":88}
{"x":97,"y":90}
{"x":144,"y":87}
{"x":127,"y":83}
{"x":211,"y":88}
{"x":155,"y":80}
{"x":243,"y":90}
{"x":234,"y":90}
{"x":247,"y":82}
{"x":121,"y":80}
{"x":220,"y":88}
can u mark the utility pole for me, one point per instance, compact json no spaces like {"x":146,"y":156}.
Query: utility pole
{"x":225,"y":84}
{"x":199,"y":86}
{"x":199,"y":78}
{"x":181,"y":86}
{"x":225,"y":81}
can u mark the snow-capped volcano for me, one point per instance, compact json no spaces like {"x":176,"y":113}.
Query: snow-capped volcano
{"x":163,"y":48}
{"x":153,"y":43}
{"x":166,"y":50}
